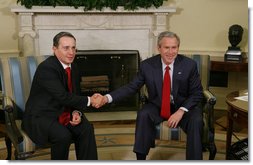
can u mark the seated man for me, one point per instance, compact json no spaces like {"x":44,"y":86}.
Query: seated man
{"x":173,"y":99}
{"x":51,"y":114}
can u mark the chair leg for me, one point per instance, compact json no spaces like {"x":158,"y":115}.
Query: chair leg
{"x":212,"y":147}
{"x":8,"y":146}
{"x":212,"y":151}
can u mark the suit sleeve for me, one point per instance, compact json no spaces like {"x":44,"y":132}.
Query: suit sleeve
{"x":194,"y":93}
{"x":51,"y":79}
{"x":130,"y":89}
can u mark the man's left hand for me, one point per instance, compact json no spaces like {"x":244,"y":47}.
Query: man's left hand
{"x":175,"y":118}
{"x":76,"y":118}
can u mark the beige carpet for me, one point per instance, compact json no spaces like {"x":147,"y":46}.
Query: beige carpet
{"x":115,"y":141}
{"x":117,"y":144}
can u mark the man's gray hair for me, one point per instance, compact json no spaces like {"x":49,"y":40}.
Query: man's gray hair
{"x":169,"y":35}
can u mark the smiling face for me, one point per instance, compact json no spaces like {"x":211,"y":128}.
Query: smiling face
{"x":168,"y":47}
{"x":66,"y":50}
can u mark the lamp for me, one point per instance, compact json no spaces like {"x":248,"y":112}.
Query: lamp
{"x":235,"y":36}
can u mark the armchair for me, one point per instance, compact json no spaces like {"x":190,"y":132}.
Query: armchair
{"x":16,"y":76}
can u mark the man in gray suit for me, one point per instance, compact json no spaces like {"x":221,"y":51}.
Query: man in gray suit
{"x":186,"y":93}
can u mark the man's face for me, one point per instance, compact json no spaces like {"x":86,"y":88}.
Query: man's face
{"x":66,"y":50}
{"x":168,"y":49}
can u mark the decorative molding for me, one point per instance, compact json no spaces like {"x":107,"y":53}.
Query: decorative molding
{"x":211,"y":53}
{"x":106,"y":29}
{"x":67,"y":10}
{"x":9,"y":53}
{"x":31,"y":33}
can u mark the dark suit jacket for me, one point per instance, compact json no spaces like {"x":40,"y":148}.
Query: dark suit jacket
{"x":186,"y":87}
{"x":48,"y":97}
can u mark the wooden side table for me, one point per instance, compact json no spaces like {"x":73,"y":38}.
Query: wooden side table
{"x":237,"y":112}
{"x":219,"y":64}
{"x":220,"y":69}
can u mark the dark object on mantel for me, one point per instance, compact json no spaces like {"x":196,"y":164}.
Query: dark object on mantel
{"x":235,"y":36}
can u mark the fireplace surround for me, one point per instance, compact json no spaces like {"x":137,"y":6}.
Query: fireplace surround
{"x":106,"y":29}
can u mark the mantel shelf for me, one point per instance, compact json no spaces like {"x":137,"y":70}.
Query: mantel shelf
{"x":65,"y":9}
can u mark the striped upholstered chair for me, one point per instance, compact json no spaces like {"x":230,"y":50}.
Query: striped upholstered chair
{"x":165,"y":133}
{"x":16,"y":76}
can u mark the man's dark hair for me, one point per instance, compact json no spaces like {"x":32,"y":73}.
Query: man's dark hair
{"x":59,"y":36}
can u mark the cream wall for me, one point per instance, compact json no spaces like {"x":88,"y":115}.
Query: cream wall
{"x":201,"y":24}
{"x":8,"y":29}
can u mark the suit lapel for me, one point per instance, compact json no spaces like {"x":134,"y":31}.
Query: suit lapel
{"x":158,"y":74}
{"x":73,"y":78}
{"x":63,"y":72}
{"x":177,"y":72}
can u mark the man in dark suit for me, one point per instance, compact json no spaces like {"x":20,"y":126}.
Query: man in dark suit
{"x":186,"y":93}
{"x":53,"y":94}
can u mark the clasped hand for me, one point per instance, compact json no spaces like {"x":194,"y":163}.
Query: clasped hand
{"x":97,"y":100}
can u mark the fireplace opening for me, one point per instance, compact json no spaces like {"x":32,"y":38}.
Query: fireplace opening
{"x":103,"y":71}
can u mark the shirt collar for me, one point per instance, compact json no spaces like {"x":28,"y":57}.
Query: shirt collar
{"x":64,"y":65}
{"x":164,"y":65}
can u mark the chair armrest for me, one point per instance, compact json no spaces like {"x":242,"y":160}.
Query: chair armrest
{"x":208,"y":108}
{"x":11,"y":126}
{"x":210,"y":98}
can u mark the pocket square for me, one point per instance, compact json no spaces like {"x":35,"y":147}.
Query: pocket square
{"x":179,"y":72}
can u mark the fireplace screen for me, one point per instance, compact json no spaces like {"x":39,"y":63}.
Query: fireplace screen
{"x":105,"y":70}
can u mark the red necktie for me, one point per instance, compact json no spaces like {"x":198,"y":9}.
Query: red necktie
{"x":68,"y":71}
{"x":165,"y":108}
{"x":65,"y":116}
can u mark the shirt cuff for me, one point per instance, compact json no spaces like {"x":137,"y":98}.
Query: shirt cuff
{"x":80,"y":113}
{"x":88,"y":104}
{"x":109,"y":97}
{"x":184,"y":109}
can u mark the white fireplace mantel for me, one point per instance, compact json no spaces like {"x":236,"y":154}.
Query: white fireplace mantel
{"x":66,"y":9}
{"x":95,"y":29}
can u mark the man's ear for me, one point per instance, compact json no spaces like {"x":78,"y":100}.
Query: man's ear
{"x":54,"y":48}
{"x":158,"y":48}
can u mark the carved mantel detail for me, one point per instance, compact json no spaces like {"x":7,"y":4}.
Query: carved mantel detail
{"x":106,"y":29}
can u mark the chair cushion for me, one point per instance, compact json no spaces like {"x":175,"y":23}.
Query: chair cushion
{"x":163,"y":132}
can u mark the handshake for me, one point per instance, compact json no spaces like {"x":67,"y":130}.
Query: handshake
{"x":97,"y":100}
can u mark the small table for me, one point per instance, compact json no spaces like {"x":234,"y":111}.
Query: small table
{"x":219,"y":64}
{"x":237,"y":112}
